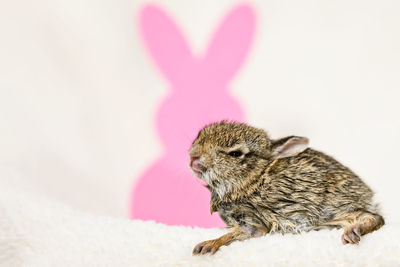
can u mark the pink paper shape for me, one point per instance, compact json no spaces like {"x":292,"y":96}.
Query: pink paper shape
{"x":168,"y":192}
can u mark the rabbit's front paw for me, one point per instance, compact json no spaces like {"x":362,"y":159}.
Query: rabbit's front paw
{"x":209,"y":246}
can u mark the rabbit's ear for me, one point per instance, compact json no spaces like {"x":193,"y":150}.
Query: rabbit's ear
{"x":165,"y":42}
{"x":229,"y":45}
{"x":289,"y":146}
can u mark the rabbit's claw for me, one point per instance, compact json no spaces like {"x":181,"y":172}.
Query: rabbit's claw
{"x":352,"y":234}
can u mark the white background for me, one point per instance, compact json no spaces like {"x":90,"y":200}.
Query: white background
{"x":78,"y":92}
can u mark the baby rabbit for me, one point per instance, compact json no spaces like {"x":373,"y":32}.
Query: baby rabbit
{"x":261,"y":186}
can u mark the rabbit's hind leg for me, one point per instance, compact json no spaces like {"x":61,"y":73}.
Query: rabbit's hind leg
{"x":357,"y":224}
{"x":366,"y":223}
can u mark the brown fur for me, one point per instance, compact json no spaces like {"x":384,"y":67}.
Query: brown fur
{"x":278,"y":186}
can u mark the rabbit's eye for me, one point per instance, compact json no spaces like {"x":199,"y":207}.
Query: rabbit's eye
{"x":235,"y":153}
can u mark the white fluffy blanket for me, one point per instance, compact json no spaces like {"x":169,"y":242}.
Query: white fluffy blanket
{"x":37,"y":231}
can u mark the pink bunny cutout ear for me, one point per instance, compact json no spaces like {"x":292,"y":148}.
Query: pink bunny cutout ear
{"x":230,"y":44}
{"x":165,"y":43}
{"x":167,"y":192}
{"x":225,"y":54}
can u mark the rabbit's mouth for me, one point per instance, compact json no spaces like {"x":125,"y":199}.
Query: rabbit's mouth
{"x":198,"y":171}
{"x":204,"y":177}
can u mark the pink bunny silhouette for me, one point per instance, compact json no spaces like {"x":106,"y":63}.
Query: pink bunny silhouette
{"x":167,"y":192}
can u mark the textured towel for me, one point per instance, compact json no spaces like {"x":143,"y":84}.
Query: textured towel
{"x":38,"y":231}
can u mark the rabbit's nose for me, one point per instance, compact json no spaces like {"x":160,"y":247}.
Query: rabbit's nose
{"x":194,"y":162}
